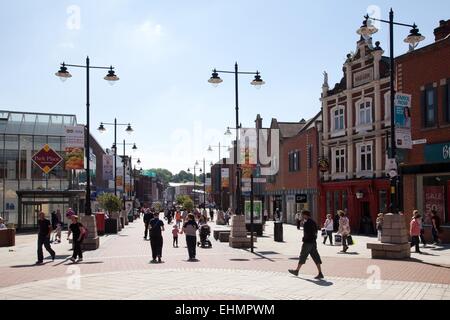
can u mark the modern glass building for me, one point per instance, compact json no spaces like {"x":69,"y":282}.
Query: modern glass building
{"x":24,"y":188}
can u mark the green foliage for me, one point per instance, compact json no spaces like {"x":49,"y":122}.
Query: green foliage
{"x":110,"y":202}
{"x":185,"y":201}
{"x":164,"y":175}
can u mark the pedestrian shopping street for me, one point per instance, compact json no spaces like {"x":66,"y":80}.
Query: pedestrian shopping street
{"x":121,"y":269}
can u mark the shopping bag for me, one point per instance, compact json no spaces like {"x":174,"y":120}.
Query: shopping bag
{"x":337,"y":239}
{"x":350,"y":241}
{"x":324,"y":232}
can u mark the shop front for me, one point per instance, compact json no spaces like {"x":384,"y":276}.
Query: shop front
{"x":291,"y":201}
{"x":362,"y":200}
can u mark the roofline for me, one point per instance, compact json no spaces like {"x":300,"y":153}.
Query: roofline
{"x":40,"y":113}
{"x":418,"y":51}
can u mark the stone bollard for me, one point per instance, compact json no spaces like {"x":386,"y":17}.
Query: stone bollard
{"x":91,"y":242}
{"x":238,"y":237}
{"x":394,"y":239}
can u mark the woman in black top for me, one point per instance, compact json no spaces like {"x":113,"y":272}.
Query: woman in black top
{"x":78,"y":232}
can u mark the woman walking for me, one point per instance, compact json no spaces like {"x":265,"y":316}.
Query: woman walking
{"x":190,"y":229}
{"x":414,"y":230}
{"x":379,"y":224}
{"x":328,"y":226}
{"x":79,"y":233}
{"x":435,"y":227}
{"x":344,"y":229}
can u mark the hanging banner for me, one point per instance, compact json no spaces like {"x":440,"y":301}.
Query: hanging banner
{"x":248,"y":163}
{"x":402,"y":107}
{"x":208,"y":185}
{"x":434,"y":199}
{"x":119,"y":178}
{"x":108,"y":167}
{"x":74,"y":147}
{"x":225,"y":174}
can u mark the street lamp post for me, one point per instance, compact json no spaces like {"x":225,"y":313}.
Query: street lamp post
{"x":102,"y":129}
{"x":124,"y":167}
{"x":189,"y":170}
{"x":413,"y":39}
{"x":257,"y":82}
{"x":63,"y":74}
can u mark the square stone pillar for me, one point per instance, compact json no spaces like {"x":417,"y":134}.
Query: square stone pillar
{"x":394,"y":239}
{"x":92,"y":241}
{"x":238,"y":237}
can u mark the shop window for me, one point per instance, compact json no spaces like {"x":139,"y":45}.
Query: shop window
{"x":336,"y":199}
{"x":435,"y":189}
{"x":382,"y":200}
{"x":329,"y":208}
{"x":344,"y":200}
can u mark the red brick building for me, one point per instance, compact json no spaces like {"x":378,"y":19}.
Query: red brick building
{"x":425,"y":74}
{"x":356,"y":119}
{"x":297,"y":169}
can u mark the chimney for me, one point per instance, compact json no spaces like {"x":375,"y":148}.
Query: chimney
{"x":258,"y":122}
{"x":442,"y":31}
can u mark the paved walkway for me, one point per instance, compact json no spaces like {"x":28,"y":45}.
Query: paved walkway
{"x":120,"y":269}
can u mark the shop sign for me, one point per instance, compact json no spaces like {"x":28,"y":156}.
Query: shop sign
{"x":46,"y":159}
{"x":436,"y":153}
{"x":324,"y":165}
{"x":301,"y":198}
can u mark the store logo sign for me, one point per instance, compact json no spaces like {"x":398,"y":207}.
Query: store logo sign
{"x":46,"y":159}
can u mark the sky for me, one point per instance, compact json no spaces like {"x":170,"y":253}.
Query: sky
{"x":163,"y":52}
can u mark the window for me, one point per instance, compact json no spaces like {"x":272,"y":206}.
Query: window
{"x":337,"y":118}
{"x":387,"y":108}
{"x":294,"y":161}
{"x":338,"y":160}
{"x":364,"y":157}
{"x":364,"y":111}
{"x":447,"y":100}
{"x":310,"y":156}
{"x":429,"y":106}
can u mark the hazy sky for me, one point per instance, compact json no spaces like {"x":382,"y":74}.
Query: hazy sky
{"x":164,"y":51}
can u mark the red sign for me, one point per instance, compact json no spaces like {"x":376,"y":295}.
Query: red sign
{"x":47,"y":159}
{"x":434,"y":199}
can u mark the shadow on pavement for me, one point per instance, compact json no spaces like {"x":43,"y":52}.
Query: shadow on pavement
{"x":428,"y":263}
{"x":239,"y":259}
{"x":348,"y":253}
{"x":259,"y":255}
{"x":267,"y":252}
{"x":322,"y":283}
{"x":31,"y":265}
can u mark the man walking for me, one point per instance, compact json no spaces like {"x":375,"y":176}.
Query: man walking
{"x":147,"y":218}
{"x":156,"y":239}
{"x":309,"y":246}
{"x":45,"y":230}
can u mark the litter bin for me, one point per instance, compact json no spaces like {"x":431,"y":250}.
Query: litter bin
{"x":100,"y":220}
{"x":278,"y":231}
{"x":111,"y":226}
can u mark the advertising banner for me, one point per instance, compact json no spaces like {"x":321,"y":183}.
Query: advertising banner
{"x":46,"y":159}
{"x":434,"y":199}
{"x":257,"y":212}
{"x":108,"y":167}
{"x":74,"y":147}
{"x":208,"y":185}
{"x":225,"y":174}
{"x":402,"y":107}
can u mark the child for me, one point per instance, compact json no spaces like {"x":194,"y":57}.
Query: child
{"x":175,"y":232}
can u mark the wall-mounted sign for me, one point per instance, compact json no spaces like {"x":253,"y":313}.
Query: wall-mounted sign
{"x":301,"y":198}
{"x":362,"y":77}
{"x":46,"y":159}
{"x":434,"y":199}
{"x":225,"y":174}
{"x":436,"y":153}
{"x":324,"y":165}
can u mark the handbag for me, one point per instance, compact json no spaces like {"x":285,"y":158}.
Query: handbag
{"x":350,"y":241}
{"x":323,"y":232}
{"x":337,"y":239}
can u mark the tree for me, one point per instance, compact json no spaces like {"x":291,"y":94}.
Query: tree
{"x":110,"y":202}
{"x":164,"y":175}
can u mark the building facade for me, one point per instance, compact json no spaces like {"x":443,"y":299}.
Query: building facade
{"x":425,"y":74}
{"x":356,"y":118}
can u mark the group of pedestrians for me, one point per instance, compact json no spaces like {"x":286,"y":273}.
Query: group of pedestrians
{"x":417,"y":229}
{"x":46,"y":228}
{"x":186,"y":223}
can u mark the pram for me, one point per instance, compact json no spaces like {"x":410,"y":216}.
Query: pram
{"x":205,"y":232}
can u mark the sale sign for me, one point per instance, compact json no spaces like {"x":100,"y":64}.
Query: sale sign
{"x":46,"y":159}
{"x":434,"y":199}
